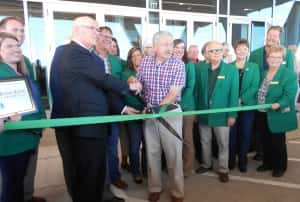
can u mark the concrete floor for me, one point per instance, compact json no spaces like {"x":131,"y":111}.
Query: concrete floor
{"x":249,"y":187}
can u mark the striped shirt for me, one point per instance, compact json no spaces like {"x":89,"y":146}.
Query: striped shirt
{"x":157,"y":79}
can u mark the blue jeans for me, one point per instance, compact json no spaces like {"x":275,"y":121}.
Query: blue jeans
{"x":13,"y":170}
{"x":135,"y":138}
{"x":112,"y":153}
{"x":240,"y":134}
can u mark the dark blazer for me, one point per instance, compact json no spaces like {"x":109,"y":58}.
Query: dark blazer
{"x":85,"y":88}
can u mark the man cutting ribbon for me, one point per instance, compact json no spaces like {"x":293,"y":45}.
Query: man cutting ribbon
{"x":163,"y":77}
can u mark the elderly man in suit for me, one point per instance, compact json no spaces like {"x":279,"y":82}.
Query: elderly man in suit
{"x":86,"y":90}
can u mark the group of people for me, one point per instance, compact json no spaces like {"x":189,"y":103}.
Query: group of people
{"x":88,"y":78}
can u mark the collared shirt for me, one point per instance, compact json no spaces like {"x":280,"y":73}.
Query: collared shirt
{"x":157,"y":79}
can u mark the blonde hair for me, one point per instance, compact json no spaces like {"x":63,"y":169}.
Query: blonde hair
{"x":21,"y":67}
{"x":275,"y":49}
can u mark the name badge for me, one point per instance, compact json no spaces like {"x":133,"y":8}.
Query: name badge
{"x":247,"y":69}
{"x":274,"y":82}
{"x":221,"y":77}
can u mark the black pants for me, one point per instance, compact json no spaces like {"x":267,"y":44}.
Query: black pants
{"x":274,"y":145}
{"x":86,"y":165}
{"x":12,"y":170}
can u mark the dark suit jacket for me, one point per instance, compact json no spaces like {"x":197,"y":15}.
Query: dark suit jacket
{"x":85,"y":88}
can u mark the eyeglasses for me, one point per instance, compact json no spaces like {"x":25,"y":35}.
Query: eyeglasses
{"x":215,"y":51}
{"x":106,"y":36}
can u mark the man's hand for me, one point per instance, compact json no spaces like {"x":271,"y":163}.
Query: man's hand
{"x":230,"y":121}
{"x":132,"y":79}
{"x":275,"y":106}
{"x":131,"y":110}
{"x":15,"y":117}
{"x":136,"y":86}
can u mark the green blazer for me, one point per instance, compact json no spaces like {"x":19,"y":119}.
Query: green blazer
{"x":29,"y":67}
{"x":131,"y":100}
{"x":256,"y":56}
{"x":116,"y":66}
{"x":17,"y":141}
{"x":187,"y":96}
{"x":249,"y":84}
{"x":283,"y":89}
{"x":224,"y":95}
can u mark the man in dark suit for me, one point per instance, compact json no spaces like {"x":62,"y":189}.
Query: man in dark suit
{"x":85,"y":90}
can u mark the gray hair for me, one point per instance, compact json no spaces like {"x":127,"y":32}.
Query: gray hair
{"x":159,"y":35}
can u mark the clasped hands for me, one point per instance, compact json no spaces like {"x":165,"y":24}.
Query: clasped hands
{"x":134,"y":85}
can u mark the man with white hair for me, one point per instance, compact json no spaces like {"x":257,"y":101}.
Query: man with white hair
{"x":163,"y":77}
{"x":148,"y":48}
{"x":86,"y":90}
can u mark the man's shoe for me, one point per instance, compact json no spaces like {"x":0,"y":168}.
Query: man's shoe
{"x":278,"y":173}
{"x":223,"y":177}
{"x":202,"y":170}
{"x":176,"y":199}
{"x":115,"y":199}
{"x":138,"y":179}
{"x":37,"y":199}
{"x":120,"y":184}
{"x":263,"y":168}
{"x":154,"y":196}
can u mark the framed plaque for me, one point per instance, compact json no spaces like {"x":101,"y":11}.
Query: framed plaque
{"x":15,"y":97}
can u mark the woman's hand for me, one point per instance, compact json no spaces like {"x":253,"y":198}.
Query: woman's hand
{"x":230,"y":121}
{"x":275,"y":106}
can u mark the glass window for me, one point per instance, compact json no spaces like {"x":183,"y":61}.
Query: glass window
{"x":258,"y":33}
{"x":222,"y":30}
{"x":178,"y":28}
{"x":153,"y":4}
{"x":203,"y":32}
{"x":153,"y":25}
{"x":204,"y":6}
{"x":239,"y":31}
{"x":291,"y":21}
{"x":37,"y":32}
{"x":63,"y":26}
{"x":251,"y":8}
{"x":134,"y":3}
{"x":223,"y":7}
{"x":127,"y":30}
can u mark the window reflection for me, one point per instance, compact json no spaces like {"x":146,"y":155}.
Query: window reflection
{"x":127,"y":30}
{"x":204,"y":6}
{"x":254,"y":8}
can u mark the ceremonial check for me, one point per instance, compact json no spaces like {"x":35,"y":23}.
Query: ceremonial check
{"x":15,"y":97}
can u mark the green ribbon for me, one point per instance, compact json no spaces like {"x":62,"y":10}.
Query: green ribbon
{"x":51,"y":123}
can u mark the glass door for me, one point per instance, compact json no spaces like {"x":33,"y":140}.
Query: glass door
{"x":191,"y":28}
{"x":238,"y":29}
{"x":127,"y":24}
{"x":176,"y":24}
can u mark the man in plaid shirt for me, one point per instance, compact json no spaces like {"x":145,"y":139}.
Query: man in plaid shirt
{"x":163,"y":77}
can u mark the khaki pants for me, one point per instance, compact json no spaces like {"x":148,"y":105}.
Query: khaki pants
{"x":188,"y":152}
{"x":222,"y":136}
{"x":158,"y":138}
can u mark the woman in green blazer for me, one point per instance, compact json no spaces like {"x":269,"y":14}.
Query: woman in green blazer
{"x":16,"y":146}
{"x":135,"y":128}
{"x":240,"y":132}
{"x":188,"y":104}
{"x":278,"y":87}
